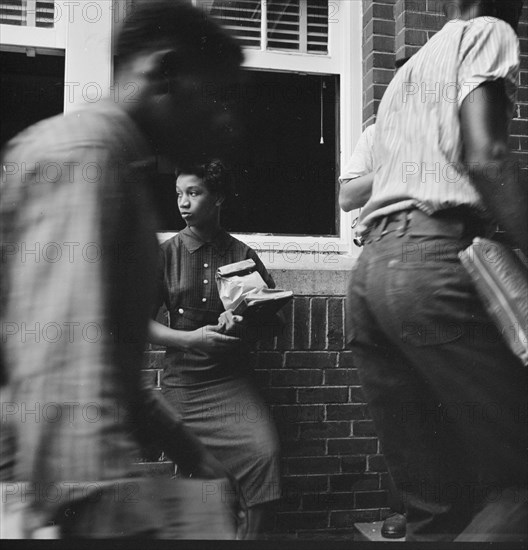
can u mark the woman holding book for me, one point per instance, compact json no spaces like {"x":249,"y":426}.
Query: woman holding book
{"x":206,"y":374}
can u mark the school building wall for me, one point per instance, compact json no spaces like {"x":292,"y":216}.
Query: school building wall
{"x":333,"y":469}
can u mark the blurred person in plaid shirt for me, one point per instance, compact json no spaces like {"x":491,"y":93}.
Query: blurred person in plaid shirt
{"x":79,"y":255}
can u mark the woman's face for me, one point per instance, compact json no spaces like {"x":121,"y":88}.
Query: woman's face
{"x":198,"y":206}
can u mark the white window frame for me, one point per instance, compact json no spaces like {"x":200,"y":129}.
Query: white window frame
{"x":344,"y":58}
{"x":82,"y":32}
{"x":86,"y":42}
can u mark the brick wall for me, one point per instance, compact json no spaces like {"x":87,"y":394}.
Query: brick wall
{"x":334,"y":474}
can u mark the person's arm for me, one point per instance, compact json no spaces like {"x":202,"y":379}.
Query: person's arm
{"x":485,"y":116}
{"x":354,"y":193}
{"x":205,"y":339}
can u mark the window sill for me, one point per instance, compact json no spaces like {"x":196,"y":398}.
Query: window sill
{"x":311,"y":274}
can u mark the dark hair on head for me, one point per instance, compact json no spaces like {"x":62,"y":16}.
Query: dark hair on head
{"x":507,"y":10}
{"x":214,"y":175}
{"x":198,"y":43}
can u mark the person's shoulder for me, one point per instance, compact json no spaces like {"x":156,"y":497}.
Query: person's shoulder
{"x":41,"y":134}
{"x":64,"y":132}
{"x":233,"y":242}
{"x":486,"y":26}
{"x":170,"y":244}
{"x":237,"y":247}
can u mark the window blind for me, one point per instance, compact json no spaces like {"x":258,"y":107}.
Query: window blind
{"x":289,"y":25}
{"x":30,"y":13}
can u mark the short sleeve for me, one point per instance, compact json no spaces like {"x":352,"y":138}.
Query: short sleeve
{"x":489,"y":51}
{"x":361,"y":162}
{"x":161,"y":290}
{"x":268,"y":279}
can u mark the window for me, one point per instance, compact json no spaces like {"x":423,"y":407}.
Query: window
{"x":290,"y":25}
{"x":302,"y":110}
{"x":30,"y":13}
{"x":32,"y":89}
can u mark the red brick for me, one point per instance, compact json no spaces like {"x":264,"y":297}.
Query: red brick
{"x":335,"y":324}
{"x":375,"y":91}
{"x":313,"y":465}
{"x":301,"y":332}
{"x":269,"y":360}
{"x":323,"y":395}
{"x":371,"y":499}
{"x":353,"y":446}
{"x":345,"y":412}
{"x":354,"y":464}
{"x":322,"y":501}
{"x":339,"y":376}
{"x":354,"y":482}
{"x":304,"y":484}
{"x":318,"y":324}
{"x":289,"y":502}
{"x":279,"y":395}
{"x":285,"y":336}
{"x":287,"y":431}
{"x":308,"y":447}
{"x":430,"y":21}
{"x":306,"y":360}
{"x":379,"y":60}
{"x":346,"y":360}
{"x":415,"y":37}
{"x":324,"y":430}
{"x":348,"y":518}
{"x":357,"y":395}
{"x":363,"y":428}
{"x":376,"y":463}
{"x":298,"y":377}
{"x":298,"y":413}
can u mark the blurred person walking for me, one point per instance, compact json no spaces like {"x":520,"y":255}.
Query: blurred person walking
{"x":355,"y":190}
{"x":79,"y":255}
{"x":432,"y":363}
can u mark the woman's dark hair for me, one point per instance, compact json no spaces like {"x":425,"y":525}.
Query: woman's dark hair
{"x":214,"y":175}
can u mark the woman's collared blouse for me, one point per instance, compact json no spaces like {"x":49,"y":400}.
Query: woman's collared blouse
{"x":187,"y":287}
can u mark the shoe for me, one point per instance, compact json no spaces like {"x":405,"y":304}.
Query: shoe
{"x":394,"y":526}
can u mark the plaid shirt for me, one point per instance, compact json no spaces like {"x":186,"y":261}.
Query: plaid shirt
{"x":79,"y":255}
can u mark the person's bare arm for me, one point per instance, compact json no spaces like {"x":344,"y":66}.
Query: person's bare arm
{"x":485,"y":116}
{"x":355,"y":193}
{"x":207,"y":339}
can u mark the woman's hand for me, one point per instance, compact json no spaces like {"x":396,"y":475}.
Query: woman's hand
{"x":210,"y":339}
{"x":228,"y":322}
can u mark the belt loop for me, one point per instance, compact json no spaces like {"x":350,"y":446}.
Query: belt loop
{"x":405,"y":224}
{"x":383,"y":228}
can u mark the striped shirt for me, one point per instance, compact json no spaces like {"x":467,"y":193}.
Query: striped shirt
{"x":187,"y":286}
{"x":418,"y":149}
{"x":361,"y":162}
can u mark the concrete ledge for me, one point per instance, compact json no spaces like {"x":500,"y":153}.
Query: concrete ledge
{"x":311,"y":274}
{"x":312,"y":282}
{"x":372,"y":532}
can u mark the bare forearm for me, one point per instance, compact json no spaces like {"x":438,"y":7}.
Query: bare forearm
{"x":165,"y":336}
{"x":356,"y":192}
{"x":504,"y":194}
{"x":484,"y":117}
